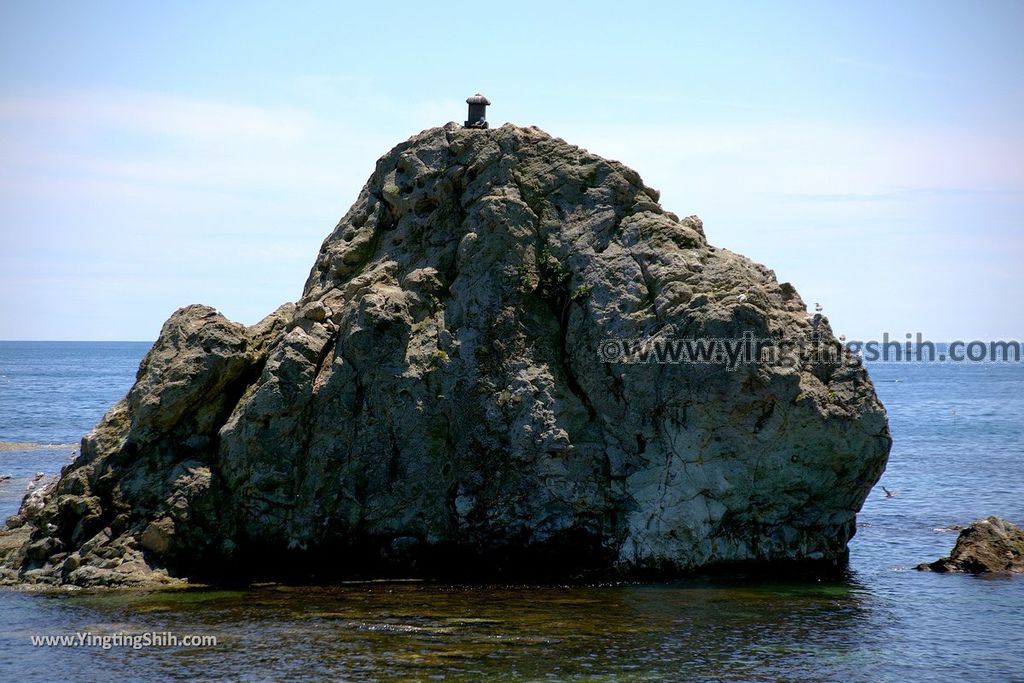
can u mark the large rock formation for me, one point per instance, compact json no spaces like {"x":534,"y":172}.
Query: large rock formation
{"x":990,"y":545}
{"x":435,"y":404}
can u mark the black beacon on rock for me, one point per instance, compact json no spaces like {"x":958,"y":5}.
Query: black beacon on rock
{"x":477,"y":117}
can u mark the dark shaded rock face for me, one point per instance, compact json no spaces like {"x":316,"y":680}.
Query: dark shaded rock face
{"x":435,"y":403}
{"x":987,"y":545}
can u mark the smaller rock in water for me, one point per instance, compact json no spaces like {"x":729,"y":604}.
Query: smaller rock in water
{"x":985,"y":546}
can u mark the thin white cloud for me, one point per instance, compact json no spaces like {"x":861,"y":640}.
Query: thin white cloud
{"x":155,"y":112}
{"x":893,"y":70}
{"x":152,"y":147}
{"x":804,"y":160}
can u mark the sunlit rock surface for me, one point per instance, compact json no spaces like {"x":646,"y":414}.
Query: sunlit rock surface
{"x":437,"y":402}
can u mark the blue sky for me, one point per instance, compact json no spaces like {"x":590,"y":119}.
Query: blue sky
{"x":154,"y":155}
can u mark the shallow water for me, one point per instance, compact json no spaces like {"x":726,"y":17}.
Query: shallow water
{"x":957,"y":456}
{"x":846,"y":630}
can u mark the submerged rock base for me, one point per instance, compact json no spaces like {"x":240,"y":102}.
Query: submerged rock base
{"x":440,"y":401}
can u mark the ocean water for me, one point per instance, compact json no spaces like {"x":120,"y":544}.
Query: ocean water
{"x":958,"y":455}
{"x":54,"y":392}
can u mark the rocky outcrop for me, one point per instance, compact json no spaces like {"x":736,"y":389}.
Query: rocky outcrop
{"x":986,"y":545}
{"x":437,"y":404}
